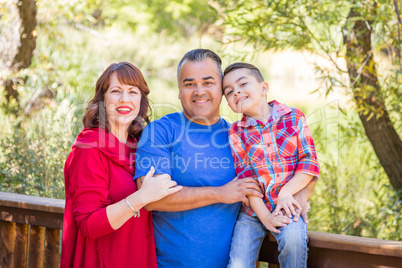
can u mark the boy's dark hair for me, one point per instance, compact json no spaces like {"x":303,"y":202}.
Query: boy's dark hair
{"x":254,"y":71}
{"x":200,"y":54}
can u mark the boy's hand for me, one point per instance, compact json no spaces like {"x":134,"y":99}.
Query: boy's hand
{"x":287,"y":203}
{"x":273,"y":221}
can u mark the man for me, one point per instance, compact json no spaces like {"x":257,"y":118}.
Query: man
{"x":193,"y":227}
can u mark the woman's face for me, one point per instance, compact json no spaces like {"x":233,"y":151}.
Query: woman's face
{"x":122,"y":103}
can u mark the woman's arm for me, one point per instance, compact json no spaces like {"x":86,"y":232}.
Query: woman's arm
{"x":89,"y":191}
{"x":153,"y":189}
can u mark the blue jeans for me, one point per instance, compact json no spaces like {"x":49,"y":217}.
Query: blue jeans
{"x":247,"y":239}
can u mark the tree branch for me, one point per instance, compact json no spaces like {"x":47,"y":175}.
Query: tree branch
{"x":328,"y":56}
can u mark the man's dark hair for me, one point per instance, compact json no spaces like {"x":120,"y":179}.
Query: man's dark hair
{"x":254,"y":71}
{"x":200,"y":54}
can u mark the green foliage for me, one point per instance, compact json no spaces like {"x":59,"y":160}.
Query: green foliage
{"x":32,"y":159}
{"x":181,"y":17}
{"x":354,"y":196}
{"x":319,"y":27}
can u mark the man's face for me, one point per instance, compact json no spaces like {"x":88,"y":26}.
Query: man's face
{"x":200,"y":91}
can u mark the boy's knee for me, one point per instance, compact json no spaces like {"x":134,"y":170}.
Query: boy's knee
{"x":293,"y":237}
{"x":290,"y":243}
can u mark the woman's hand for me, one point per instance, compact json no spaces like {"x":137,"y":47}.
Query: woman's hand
{"x":157,"y":187}
{"x":287,"y":203}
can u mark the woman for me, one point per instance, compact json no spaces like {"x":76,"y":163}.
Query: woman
{"x":104,"y":223}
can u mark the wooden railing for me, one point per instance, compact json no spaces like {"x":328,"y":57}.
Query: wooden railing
{"x":30,"y":237}
{"x":30,"y":230}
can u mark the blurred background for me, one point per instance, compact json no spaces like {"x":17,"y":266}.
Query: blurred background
{"x":338,"y":61}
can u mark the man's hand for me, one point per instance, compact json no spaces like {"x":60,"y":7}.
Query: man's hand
{"x":302,"y":198}
{"x":237,"y":190}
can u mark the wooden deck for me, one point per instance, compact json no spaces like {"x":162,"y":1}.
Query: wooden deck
{"x":30,"y":237}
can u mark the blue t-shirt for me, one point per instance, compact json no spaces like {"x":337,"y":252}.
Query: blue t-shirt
{"x":193,"y":155}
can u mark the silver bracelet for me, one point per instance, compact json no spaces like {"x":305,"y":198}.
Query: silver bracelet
{"x":136,"y":213}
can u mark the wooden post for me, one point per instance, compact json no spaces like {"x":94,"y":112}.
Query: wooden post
{"x":7,"y":242}
{"x":36,"y":246}
{"x":21,"y":245}
{"x":52,"y":246}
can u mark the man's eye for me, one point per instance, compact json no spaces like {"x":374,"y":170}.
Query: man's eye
{"x":208,"y":83}
{"x":189,"y":85}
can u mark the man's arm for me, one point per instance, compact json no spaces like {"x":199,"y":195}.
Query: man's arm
{"x":195,"y":197}
{"x":302,"y":197}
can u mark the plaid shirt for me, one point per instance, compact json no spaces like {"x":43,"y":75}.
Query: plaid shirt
{"x":273,"y":152}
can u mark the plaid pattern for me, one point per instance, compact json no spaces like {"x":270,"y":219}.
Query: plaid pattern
{"x":273,"y":152}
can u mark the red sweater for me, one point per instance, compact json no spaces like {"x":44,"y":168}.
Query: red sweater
{"x":99,"y":172}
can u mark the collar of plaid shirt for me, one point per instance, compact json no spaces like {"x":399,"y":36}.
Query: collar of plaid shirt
{"x":278,"y":111}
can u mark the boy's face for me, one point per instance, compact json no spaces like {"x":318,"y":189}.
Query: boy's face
{"x":244,"y":93}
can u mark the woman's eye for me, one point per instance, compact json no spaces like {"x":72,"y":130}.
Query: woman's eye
{"x":243,"y":84}
{"x":133,"y":92}
{"x":115,"y":91}
{"x":229,"y":92}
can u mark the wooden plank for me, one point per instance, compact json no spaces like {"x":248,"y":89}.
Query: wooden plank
{"x":330,"y":258}
{"x":32,"y":202}
{"x":52,"y":248}
{"x":7,"y":243}
{"x":36,"y":246}
{"x":333,"y":251}
{"x":32,"y":217}
{"x":355,"y":244}
{"x":21,"y":245}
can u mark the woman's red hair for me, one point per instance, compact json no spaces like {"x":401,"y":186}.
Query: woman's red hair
{"x":128,"y":74}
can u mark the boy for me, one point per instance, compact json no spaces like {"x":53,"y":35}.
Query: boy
{"x":273,"y":144}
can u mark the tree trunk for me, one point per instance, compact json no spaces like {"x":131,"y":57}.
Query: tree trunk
{"x":366,"y":89}
{"x":27,"y":13}
{"x":26,"y":46}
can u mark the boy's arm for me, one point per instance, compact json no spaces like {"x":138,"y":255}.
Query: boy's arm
{"x":307,"y":156}
{"x":307,"y":165}
{"x":269,"y":220}
{"x":286,"y":201}
{"x":297,"y":183}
